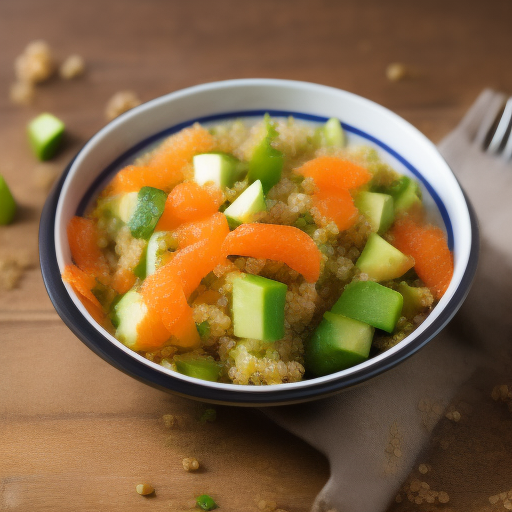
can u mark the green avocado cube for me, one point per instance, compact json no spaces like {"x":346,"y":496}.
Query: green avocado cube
{"x":381,"y":261}
{"x":7,"y":204}
{"x":371,"y":303}
{"x":258,"y":308}
{"x":377,"y":208}
{"x":408,"y":197}
{"x":266,"y":163}
{"x":250,"y":202}
{"x":333,"y":133}
{"x":149,"y":209}
{"x":205,"y":502}
{"x":45,"y":135}
{"x":219,"y":168}
{"x":416,"y":299}
{"x":337,"y":343}
{"x":160,"y":246}
{"x":200,"y":367}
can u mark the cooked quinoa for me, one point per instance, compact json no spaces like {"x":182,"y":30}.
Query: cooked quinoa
{"x":289,"y":202}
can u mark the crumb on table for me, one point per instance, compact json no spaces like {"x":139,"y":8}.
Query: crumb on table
{"x":145,"y":489}
{"x":72,"y":67}
{"x":36,"y":64}
{"x":121,"y":102}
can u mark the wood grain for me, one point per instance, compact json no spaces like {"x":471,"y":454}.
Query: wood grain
{"x":76,"y":434}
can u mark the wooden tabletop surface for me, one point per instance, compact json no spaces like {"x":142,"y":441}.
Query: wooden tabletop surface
{"x":76,"y":434}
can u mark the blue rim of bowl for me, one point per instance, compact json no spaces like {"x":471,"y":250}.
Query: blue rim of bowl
{"x":121,"y":360}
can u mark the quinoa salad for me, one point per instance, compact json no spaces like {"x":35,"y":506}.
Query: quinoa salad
{"x":258,"y":253}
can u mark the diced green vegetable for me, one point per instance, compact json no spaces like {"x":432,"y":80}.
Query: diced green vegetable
{"x":203,"y":329}
{"x":160,"y":244}
{"x":205,"y":368}
{"x":149,"y":209}
{"x":206,"y":502}
{"x":378,"y":208}
{"x":333,"y":133}
{"x":371,"y":303}
{"x":250,"y":202}
{"x":337,"y":343}
{"x":381,"y":261}
{"x":140,"y":269}
{"x":258,"y":308}
{"x":405,"y":192}
{"x":45,"y":135}
{"x":266,"y":163}
{"x":129,"y":312}
{"x":414,"y":299}
{"x":7,"y":204}
{"x":219,"y":168}
{"x":125,"y":206}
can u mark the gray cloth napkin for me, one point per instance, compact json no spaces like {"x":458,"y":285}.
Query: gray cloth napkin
{"x":374,"y":434}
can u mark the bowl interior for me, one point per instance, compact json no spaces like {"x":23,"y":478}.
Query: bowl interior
{"x":398,"y":143}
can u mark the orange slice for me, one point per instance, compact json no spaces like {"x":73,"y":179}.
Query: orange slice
{"x":336,"y":205}
{"x":282,"y":243}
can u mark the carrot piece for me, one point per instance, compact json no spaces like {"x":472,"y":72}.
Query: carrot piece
{"x":427,"y":245}
{"x":337,"y":205}
{"x":162,"y":292}
{"x":123,"y":280}
{"x":83,"y":242}
{"x":165,"y":168}
{"x":283,"y":243}
{"x":151,"y":331}
{"x":194,"y":262}
{"x":81,"y":283}
{"x":331,"y":172}
{"x":192,"y":232}
{"x":188,"y":202}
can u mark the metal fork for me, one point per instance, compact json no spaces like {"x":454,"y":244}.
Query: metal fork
{"x":489,"y":123}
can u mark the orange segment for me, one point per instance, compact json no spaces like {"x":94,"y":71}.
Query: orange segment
{"x":188,"y":202}
{"x":164,"y":169}
{"x":185,"y":331}
{"x":337,"y":205}
{"x":330,"y":172}
{"x":283,"y":243}
{"x":83,"y":242}
{"x":427,"y":245}
{"x":192,"y":232}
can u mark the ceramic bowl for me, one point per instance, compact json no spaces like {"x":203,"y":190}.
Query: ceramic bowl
{"x":398,"y":143}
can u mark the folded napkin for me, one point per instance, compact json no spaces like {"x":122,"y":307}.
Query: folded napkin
{"x":436,"y":410}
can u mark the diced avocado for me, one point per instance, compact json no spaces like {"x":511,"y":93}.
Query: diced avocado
{"x":219,"y":168}
{"x":205,"y":502}
{"x":140,"y":269}
{"x":333,"y":133}
{"x":416,"y":300}
{"x":408,"y":197}
{"x":200,"y":367}
{"x":378,"y":208}
{"x":130,"y":312}
{"x":266,"y":163}
{"x":203,"y":329}
{"x":160,"y":246}
{"x":246,"y":205}
{"x":371,"y":303}
{"x":7,"y":204}
{"x":337,"y":343}
{"x":381,"y":261}
{"x":125,"y":205}
{"x":45,"y":135}
{"x":258,"y":308}
{"x":149,"y":209}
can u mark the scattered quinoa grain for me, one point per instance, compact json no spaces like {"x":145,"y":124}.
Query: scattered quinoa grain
{"x":35,"y":64}
{"x":121,"y":102}
{"x":396,"y":72}
{"x":443,"y":497}
{"x":507,"y":504}
{"x":169,"y":420}
{"x":72,"y":67}
{"x":423,"y":469}
{"x":190,"y":464}
{"x":145,"y":489}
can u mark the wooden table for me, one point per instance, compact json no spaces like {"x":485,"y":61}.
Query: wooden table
{"x":76,"y":434}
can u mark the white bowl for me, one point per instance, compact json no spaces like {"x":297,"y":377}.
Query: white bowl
{"x":399,"y":143}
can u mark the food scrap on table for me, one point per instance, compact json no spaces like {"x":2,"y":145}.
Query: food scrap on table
{"x":144,"y":489}
{"x":72,"y":67}
{"x":120,"y":103}
{"x":12,"y":267}
{"x":7,"y":203}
